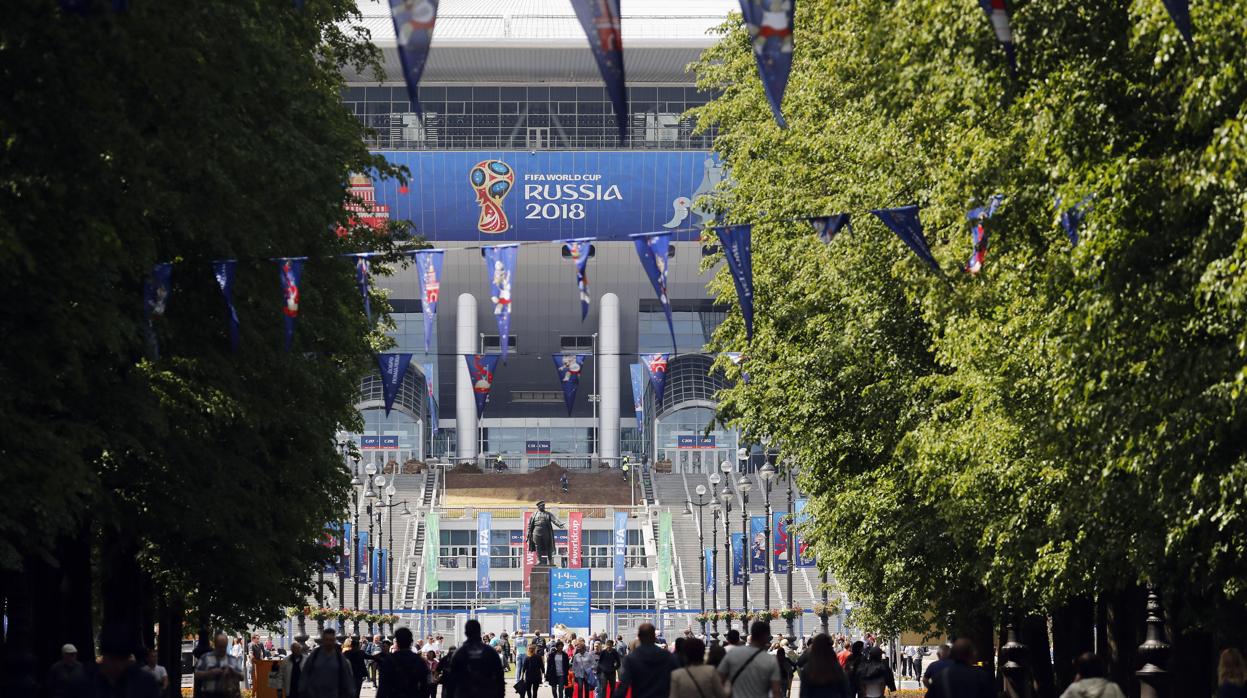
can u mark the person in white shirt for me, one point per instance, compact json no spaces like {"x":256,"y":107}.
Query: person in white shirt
{"x":158,"y":672}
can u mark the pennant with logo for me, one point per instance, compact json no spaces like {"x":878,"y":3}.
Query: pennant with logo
{"x":654,"y":249}
{"x":500,"y":265}
{"x":224,"y":272}
{"x":393,"y":369}
{"x":575,"y":526}
{"x":757,"y":544}
{"x":348,"y":551}
{"x":363,"y":276}
{"x":665,"y":563}
{"x":600,"y":20}
{"x":362,"y":565}
{"x":637,"y":372}
{"x":779,"y":541}
{"x":1180,"y":12}
{"x":431,"y":390}
{"x":484,"y":528}
{"x":481,"y":369}
{"x":156,"y":290}
{"x":384,"y":569}
{"x":998,"y":14}
{"x":569,"y":367}
{"x":621,"y":549}
{"x":330,"y":541}
{"x":579,"y":249}
{"x":738,"y":251}
{"x":710,"y":580}
{"x":905,"y":223}
{"x":978,"y":233}
{"x":377,"y":557}
{"x":291,"y":269}
{"x":1073,"y":217}
{"x":738,"y":359}
{"x":827,"y":227}
{"x":770,"y":34}
{"x":429,"y":271}
{"x":656,"y":368}
{"x":805,"y":554}
{"x":432,"y":549}
{"x":413,"y":29}
{"x":738,"y":559}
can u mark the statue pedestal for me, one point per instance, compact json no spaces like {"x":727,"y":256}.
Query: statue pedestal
{"x":539,"y":600}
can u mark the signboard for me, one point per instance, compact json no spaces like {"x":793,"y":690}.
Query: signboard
{"x":569,"y":598}
{"x":575,"y":524}
{"x":621,"y":550}
{"x":504,"y":196}
{"x":694,"y":441}
{"x":533,"y":448}
{"x":526,"y":616}
{"x":382,"y":442}
{"x":484,"y":528}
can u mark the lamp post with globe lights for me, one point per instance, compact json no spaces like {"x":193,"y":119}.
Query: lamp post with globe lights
{"x":743,"y":485}
{"x":767,"y":474}
{"x":702,"y":502}
{"x":725,"y":497}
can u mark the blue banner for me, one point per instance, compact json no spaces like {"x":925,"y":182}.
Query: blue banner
{"x":526,"y":615}
{"x":738,"y":251}
{"x":656,"y":368}
{"x":393,"y":369}
{"x":770,"y":34}
{"x":579,"y":249}
{"x":569,"y":597}
{"x":779,"y":541}
{"x":637,"y":372}
{"x":224,"y":272}
{"x":569,"y":367}
{"x":757,"y":544}
{"x":481,"y":368}
{"x":621,"y":550}
{"x":374,"y":562}
{"x":432,"y":393}
{"x":507,"y":196}
{"x":905,"y":223}
{"x":348,"y":551}
{"x":1072,"y":218}
{"x":363,"y":276}
{"x":653,"y":250}
{"x":383,"y":570}
{"x":291,"y":269}
{"x":600,"y":20}
{"x":805,"y":554}
{"x":710,"y":580}
{"x":998,"y":13}
{"x":1180,"y":12}
{"x":827,"y":227}
{"x":361,"y":557}
{"x":500,"y":266}
{"x":332,"y":540}
{"x":429,"y":272}
{"x":156,"y":290}
{"x":738,"y":559}
{"x":413,"y":30}
{"x":484,"y":525}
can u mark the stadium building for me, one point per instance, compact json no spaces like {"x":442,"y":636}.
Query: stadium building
{"x":512,"y":89}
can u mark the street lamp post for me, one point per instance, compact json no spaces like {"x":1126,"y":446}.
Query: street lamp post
{"x":725,"y":496}
{"x":767,"y":474}
{"x":701,"y":503}
{"x":743,"y":486}
{"x":791,"y":541}
{"x":357,"y":491}
{"x":374,"y":534}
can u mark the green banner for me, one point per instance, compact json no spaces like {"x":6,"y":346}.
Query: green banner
{"x":432,"y":546}
{"x":664,"y":553}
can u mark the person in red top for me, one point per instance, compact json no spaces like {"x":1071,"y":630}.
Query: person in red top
{"x":843,"y":655}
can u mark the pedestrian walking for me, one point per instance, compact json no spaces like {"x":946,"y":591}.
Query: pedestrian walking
{"x":531,"y":672}
{"x":475,"y":668}
{"x":874,"y":675}
{"x":647,"y":668}
{"x":961,"y":679}
{"x":609,"y":662}
{"x":934,"y":668}
{"x":219,"y":672}
{"x":290,"y":672}
{"x":821,"y":673}
{"x":1231,"y":674}
{"x":786,"y":670}
{"x":117,"y":675}
{"x":1089,"y":680}
{"x":402,"y":673}
{"x":157,"y":672}
{"x":584,"y":667}
{"x":751,"y":671}
{"x":67,"y":677}
{"x":326,"y":673}
{"x":696,"y":679}
{"x":557,"y":670}
{"x":355,"y":656}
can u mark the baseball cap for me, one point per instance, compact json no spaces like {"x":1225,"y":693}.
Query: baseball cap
{"x":68,"y":649}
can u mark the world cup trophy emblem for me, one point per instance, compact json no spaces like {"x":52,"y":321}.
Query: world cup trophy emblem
{"x":492,"y":180}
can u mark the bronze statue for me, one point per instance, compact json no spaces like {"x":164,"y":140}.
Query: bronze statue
{"x":540,"y":536}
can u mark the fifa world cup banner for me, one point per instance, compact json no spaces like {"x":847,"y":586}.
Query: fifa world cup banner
{"x":575,"y":525}
{"x":738,"y":559}
{"x":779,"y":542}
{"x":484,"y":528}
{"x":362,"y":566}
{"x":530,"y":556}
{"x":509,"y":196}
{"x":805,"y":554}
{"x":348,"y":551}
{"x":621,"y":550}
{"x":757,"y":544}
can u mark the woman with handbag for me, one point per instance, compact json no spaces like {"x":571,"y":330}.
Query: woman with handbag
{"x":695,"y":679}
{"x":584,"y":667}
{"x":531,"y":673}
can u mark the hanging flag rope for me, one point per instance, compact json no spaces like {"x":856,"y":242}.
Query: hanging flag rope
{"x":600,"y":21}
{"x":770,"y":24}
{"x":905,"y":223}
{"x":413,"y":29}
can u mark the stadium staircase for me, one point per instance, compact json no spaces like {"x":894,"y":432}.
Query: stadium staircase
{"x":653,"y":505}
{"x":413,"y":567}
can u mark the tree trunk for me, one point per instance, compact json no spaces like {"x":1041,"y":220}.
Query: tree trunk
{"x":169,"y":649}
{"x":1072,"y":634}
{"x":121,"y":588}
{"x":1035,"y":636}
{"x":1124,"y":615}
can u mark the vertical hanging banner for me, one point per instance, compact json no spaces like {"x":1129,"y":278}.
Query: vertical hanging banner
{"x":432,"y":395}
{"x":600,"y":20}
{"x":710,"y":567}
{"x":738,"y":559}
{"x":331,"y":541}
{"x":432,"y":549}
{"x":569,"y":367}
{"x":827,"y":227}
{"x":413,"y":29}
{"x":224,"y":271}
{"x":978,"y":233}
{"x":738,"y":251}
{"x":654,"y":249}
{"x":429,"y":271}
{"x":530,"y":556}
{"x":383,"y":571}
{"x":579,"y":249}
{"x":904,"y":221}
{"x":636,"y":371}
{"x":575,"y":527}
{"x":1180,"y":12}
{"x":291,"y":269}
{"x":757,"y":544}
{"x":362,"y":565}
{"x":805,"y":554}
{"x":374,"y":557}
{"x":393,"y":369}
{"x":998,"y":14}
{"x":656,"y":368}
{"x":665,"y":563}
{"x":363,"y":276}
{"x":770,"y":33}
{"x":348,"y":551}
{"x":1073,"y":217}
{"x":779,"y":542}
{"x":481,"y":368}
{"x":621,"y":550}
{"x":500,"y":265}
{"x":484,"y":528}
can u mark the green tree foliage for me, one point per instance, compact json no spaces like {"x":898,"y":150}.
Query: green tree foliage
{"x":1068,"y":422}
{"x":186,"y":133}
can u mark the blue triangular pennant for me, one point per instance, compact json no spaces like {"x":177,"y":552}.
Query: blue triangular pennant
{"x":1180,"y":11}
{"x":291,"y":269}
{"x":500,"y":266}
{"x":738,"y":250}
{"x":393,"y":369}
{"x":413,"y":30}
{"x":998,"y":13}
{"x":601,"y":21}
{"x":224,"y":271}
{"x":579,"y":249}
{"x":569,"y":367}
{"x":827,"y":227}
{"x":481,"y":369}
{"x":656,"y":368}
{"x":653,"y":250}
{"x":770,"y":24}
{"x":905,"y":223}
{"x":429,"y":272}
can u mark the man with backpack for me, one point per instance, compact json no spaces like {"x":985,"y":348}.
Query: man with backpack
{"x":403,"y":673}
{"x":475,"y":668}
{"x":751,"y":671}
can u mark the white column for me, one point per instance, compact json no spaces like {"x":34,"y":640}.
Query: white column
{"x":465,"y":402}
{"x":608,"y":379}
